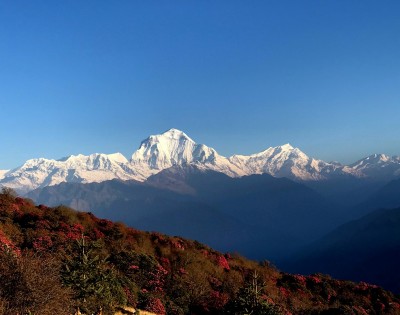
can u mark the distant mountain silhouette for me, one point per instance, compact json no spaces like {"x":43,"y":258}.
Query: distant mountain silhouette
{"x":387,"y":196}
{"x":366,"y":249}
{"x":258,"y":215}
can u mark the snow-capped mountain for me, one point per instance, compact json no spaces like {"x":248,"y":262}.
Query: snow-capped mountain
{"x":36,"y":173}
{"x":287,"y":161}
{"x":3,"y":173}
{"x":378,"y":166}
{"x":175,"y":148}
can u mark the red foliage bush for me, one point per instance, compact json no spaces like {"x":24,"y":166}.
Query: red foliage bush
{"x":314,"y":279}
{"x":157,"y":279}
{"x":155,"y":305}
{"x":43,"y":224}
{"x":105,"y":226}
{"x":222,"y":262}
{"x":16,"y":210}
{"x":42,"y":243}
{"x":96,"y":234}
{"x":178,"y":244}
{"x":285,"y":292}
{"x":7,"y":246}
{"x":165,"y":263}
{"x":129,"y":297}
{"x":218,"y":300}
{"x":300,"y":279}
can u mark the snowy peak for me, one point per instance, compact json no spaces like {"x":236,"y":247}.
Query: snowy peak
{"x":168,"y":140}
{"x":175,"y":134}
{"x":3,"y":173}
{"x":117,"y":157}
{"x":378,"y":166}
{"x":281,"y":161}
{"x":91,"y":162}
{"x":291,"y":162}
{"x":172,"y":147}
{"x":286,"y":147}
{"x":372,"y":160}
{"x":97,"y":167}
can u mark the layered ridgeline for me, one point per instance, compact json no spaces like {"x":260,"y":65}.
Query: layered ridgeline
{"x":54,"y":260}
{"x":174,"y":147}
{"x":367,"y":249}
{"x":258,"y":215}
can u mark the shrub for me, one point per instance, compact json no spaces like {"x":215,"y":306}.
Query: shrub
{"x":31,"y":284}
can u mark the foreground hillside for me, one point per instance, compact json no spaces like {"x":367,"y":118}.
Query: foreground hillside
{"x":53,"y":260}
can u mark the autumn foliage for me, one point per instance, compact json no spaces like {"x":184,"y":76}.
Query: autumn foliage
{"x":63,"y":259}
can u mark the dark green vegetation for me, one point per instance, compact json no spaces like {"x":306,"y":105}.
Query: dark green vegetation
{"x":56,"y":259}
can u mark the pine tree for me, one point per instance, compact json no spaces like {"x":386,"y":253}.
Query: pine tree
{"x":250,"y":299}
{"x":92,"y":280}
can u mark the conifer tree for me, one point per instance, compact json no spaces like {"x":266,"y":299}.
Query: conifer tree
{"x":92,"y":280}
{"x":250,"y":299}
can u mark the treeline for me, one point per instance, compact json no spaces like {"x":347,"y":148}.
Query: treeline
{"x":56,"y":260}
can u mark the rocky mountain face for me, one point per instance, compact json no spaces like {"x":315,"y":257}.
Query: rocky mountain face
{"x":174,"y":147}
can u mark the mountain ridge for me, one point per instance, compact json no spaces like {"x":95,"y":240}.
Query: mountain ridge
{"x":174,"y":147}
{"x":231,"y":214}
{"x":365,"y":248}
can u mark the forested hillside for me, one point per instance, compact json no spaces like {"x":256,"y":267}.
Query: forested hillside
{"x":54,"y":260}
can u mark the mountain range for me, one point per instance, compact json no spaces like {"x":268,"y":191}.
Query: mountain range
{"x":174,"y":147}
{"x":272,"y":204}
{"x":257,"y":215}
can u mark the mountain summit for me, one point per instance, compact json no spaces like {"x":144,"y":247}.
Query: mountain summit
{"x":175,"y":148}
{"x":172,"y":147}
{"x":378,"y":166}
{"x":287,"y":161}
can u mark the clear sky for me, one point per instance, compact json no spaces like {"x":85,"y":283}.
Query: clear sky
{"x":239,"y":76}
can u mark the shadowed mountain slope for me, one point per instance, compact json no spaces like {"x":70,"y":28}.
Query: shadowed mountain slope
{"x":258,"y":215}
{"x":366,"y":249}
{"x":150,"y":271}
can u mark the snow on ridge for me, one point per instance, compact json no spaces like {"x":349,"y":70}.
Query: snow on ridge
{"x":3,"y":173}
{"x":378,"y":166}
{"x":372,"y":159}
{"x":97,"y":167}
{"x":282,"y":161}
{"x":175,"y":148}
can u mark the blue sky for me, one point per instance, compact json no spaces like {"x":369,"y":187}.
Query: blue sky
{"x":240,"y":76}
